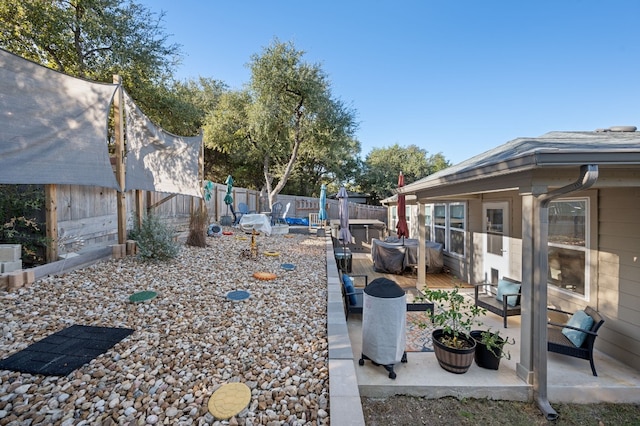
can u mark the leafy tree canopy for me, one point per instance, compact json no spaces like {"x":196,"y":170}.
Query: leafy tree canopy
{"x":285,"y":113}
{"x":96,"y":39}
{"x":383,"y":165}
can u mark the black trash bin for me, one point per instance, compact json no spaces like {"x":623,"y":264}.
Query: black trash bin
{"x":384,"y":316}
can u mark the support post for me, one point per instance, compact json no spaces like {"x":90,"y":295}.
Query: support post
{"x":51,"y":212}
{"x":118,"y":119}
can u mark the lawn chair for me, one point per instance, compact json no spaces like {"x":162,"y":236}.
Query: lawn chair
{"x":276,"y":211}
{"x":558,"y":342}
{"x":243,"y":209}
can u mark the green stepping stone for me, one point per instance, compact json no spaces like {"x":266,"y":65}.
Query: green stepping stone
{"x":142,"y":296}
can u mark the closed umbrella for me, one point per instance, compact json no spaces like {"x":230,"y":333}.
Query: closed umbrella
{"x":322,"y":214}
{"x":344,"y":234}
{"x":402,"y":230}
{"x":228,"y":198}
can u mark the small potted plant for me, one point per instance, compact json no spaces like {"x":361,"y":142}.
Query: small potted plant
{"x":490,"y":348}
{"x":455,"y":316}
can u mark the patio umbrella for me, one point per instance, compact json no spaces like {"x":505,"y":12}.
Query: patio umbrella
{"x":228,"y":198}
{"x":322,"y":214}
{"x":402,"y":230}
{"x":344,"y":234}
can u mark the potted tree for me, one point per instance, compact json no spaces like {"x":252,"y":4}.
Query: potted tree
{"x":454,"y":316}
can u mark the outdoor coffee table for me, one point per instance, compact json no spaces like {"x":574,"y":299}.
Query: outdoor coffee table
{"x":421,"y":304}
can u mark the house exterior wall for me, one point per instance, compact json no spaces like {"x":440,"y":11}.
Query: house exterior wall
{"x":618,"y":273}
{"x":614,"y":274}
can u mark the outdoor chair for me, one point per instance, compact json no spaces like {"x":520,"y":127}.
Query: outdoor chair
{"x":243,"y":209}
{"x":276,"y":211}
{"x":353,"y":297}
{"x":502,"y":298}
{"x":575,"y":337}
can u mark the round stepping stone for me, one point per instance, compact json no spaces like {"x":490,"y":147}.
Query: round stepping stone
{"x":271,"y":253}
{"x":238,"y":295}
{"x":264,"y":276}
{"x":227,"y":233}
{"x":142,"y":296}
{"x":229,"y":400}
{"x":288,"y":266}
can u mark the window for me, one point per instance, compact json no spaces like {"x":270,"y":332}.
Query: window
{"x":447,"y":225}
{"x":568,"y":245}
{"x":457,"y":215}
{"x":394,"y":216}
{"x":440,"y":224}
{"x":428,"y":221}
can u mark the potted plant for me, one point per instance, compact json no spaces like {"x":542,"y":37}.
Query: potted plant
{"x":490,"y":348}
{"x":454,"y":316}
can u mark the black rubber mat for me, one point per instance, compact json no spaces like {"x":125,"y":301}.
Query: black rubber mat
{"x":64,"y":351}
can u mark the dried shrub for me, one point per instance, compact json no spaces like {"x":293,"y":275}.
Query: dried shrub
{"x":198,"y":228}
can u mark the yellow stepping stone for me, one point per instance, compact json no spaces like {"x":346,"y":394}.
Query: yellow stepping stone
{"x":229,"y":400}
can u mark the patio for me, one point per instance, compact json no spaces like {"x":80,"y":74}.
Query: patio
{"x":569,"y":379}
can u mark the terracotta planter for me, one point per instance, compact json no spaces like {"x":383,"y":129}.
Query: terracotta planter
{"x":484,"y":357}
{"x":450,"y":359}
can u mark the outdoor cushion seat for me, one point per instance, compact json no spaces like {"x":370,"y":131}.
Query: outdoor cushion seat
{"x":558,"y":342}
{"x":509,"y":302}
{"x":353,"y":297}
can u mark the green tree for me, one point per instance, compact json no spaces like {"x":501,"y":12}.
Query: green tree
{"x":383,"y":165}
{"x":285,"y":112}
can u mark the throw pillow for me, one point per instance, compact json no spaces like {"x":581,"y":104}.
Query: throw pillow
{"x":507,"y":287}
{"x":580,"y":320}
{"x":347,"y":281}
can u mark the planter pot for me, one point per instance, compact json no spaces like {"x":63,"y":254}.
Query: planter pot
{"x":483,"y":356}
{"x":451,"y":359}
{"x":226,"y":220}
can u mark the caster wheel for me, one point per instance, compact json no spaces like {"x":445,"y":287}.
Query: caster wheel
{"x":392,"y":375}
{"x":361,"y":361}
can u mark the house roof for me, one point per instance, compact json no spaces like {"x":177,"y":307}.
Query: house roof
{"x":553,"y":149}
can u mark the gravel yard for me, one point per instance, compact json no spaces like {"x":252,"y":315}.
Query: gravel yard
{"x":187,"y":342}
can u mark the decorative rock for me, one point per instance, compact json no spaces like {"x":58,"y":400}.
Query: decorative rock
{"x":187,"y":342}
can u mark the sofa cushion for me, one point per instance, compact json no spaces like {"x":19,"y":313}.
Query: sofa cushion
{"x":580,"y":320}
{"x":347,"y":281}
{"x":508,"y":287}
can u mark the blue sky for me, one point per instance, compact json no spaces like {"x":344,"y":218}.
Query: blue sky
{"x":455,"y":77}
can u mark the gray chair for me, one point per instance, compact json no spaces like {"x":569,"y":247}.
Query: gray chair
{"x":276,"y":212}
{"x":557,"y":342}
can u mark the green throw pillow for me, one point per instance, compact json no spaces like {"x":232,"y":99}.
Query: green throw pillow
{"x":347,"y":281}
{"x":507,"y":287}
{"x":580,"y":320}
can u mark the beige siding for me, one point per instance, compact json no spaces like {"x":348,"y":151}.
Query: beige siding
{"x":618,"y":275}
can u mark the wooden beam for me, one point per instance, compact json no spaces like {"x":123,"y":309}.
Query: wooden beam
{"x":164,"y":200}
{"x":118,"y":124}
{"x":139,"y":208}
{"x":51,"y":212}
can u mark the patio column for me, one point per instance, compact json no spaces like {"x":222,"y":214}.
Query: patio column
{"x":421,"y":282}
{"x":530,"y":205}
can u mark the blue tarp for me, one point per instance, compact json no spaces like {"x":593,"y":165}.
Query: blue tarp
{"x":297,"y":221}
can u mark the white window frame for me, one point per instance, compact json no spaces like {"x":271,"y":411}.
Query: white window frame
{"x":585,"y":249}
{"x":447,"y":228}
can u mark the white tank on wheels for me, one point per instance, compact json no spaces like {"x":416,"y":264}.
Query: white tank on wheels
{"x":384,"y":316}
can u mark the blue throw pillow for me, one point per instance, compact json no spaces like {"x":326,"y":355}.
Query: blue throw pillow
{"x":347,"y":281}
{"x":580,"y":320}
{"x":507,"y":287}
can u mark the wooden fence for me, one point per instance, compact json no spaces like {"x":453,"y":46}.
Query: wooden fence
{"x":87,"y":216}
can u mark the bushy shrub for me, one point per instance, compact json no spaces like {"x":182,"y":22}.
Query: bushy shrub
{"x":22,"y":221}
{"x":155,"y":240}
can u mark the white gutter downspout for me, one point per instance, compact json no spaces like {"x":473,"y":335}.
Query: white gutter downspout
{"x":588,"y":176}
